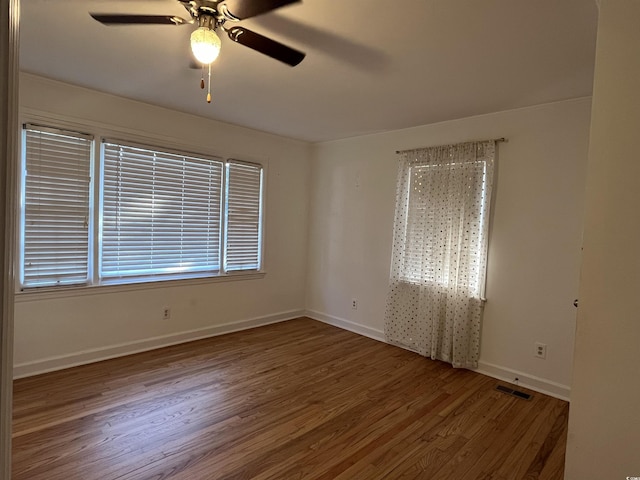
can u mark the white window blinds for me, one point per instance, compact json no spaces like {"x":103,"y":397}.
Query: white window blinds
{"x":55,"y":214}
{"x":161,"y":212}
{"x":243,"y":216}
{"x":148,"y":214}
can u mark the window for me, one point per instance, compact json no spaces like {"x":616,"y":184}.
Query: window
{"x":243,"y":219}
{"x":446,"y":212}
{"x":160,"y":214}
{"x":443,"y":218}
{"x":55,"y":215}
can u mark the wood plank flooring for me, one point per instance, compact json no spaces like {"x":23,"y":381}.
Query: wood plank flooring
{"x":295,"y":400}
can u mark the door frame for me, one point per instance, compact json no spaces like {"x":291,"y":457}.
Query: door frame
{"x":9,"y":139}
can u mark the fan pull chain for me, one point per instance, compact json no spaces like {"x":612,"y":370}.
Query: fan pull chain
{"x":209,"y":88}
{"x":202,"y":77}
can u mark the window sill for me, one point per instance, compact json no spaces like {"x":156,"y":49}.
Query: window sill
{"x":46,"y":293}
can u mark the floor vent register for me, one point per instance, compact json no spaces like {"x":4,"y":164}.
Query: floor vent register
{"x":514,"y":393}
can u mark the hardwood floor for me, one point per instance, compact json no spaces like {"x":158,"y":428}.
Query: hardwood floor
{"x":295,"y":400}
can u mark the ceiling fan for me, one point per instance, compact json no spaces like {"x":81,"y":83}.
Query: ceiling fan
{"x":212,"y":15}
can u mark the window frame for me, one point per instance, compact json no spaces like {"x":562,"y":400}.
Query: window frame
{"x":100,"y":134}
{"x":225,"y":219}
{"x":101,"y":277}
{"x":22,"y":187}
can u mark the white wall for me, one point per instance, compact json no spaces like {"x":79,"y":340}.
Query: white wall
{"x":56,"y":330}
{"x":604,"y":420}
{"x":534,"y":245}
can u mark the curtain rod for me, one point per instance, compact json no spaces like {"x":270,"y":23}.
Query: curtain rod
{"x":497,"y":140}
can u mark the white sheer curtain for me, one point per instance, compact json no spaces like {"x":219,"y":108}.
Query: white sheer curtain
{"x":435,"y":300}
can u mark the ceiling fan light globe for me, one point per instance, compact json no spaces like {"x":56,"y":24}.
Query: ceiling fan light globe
{"x":205,"y":45}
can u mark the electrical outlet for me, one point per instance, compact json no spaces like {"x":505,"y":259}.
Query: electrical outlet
{"x":354,"y":303}
{"x":540,"y":350}
{"x":166,"y":313}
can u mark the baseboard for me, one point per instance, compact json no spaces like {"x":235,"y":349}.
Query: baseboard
{"x":95,"y":355}
{"x":347,"y":325}
{"x":537,"y":384}
{"x":525,"y":380}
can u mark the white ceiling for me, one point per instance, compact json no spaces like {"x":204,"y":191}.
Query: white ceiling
{"x":371,"y":65}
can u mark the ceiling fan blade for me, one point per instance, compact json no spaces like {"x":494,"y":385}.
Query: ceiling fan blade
{"x":265,"y":45}
{"x":242,"y":9}
{"x":126,"y":19}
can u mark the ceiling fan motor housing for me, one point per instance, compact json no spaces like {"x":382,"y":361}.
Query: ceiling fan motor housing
{"x":215,"y":9}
